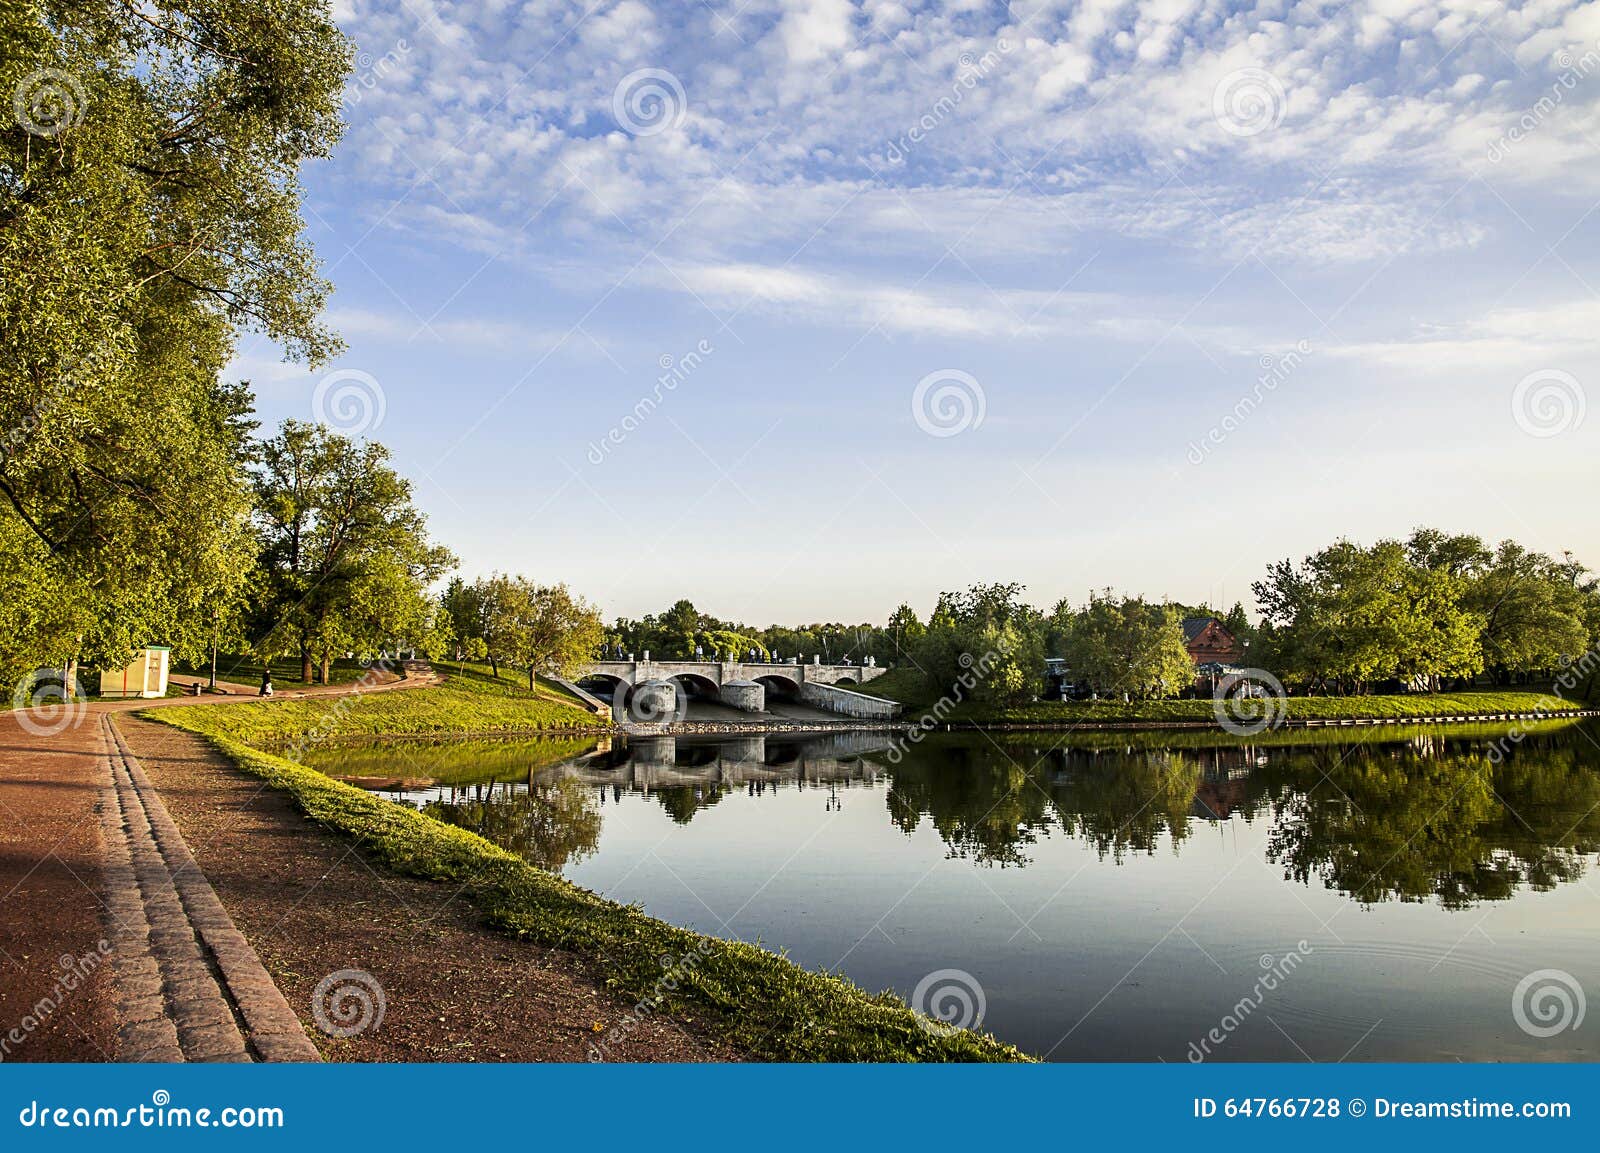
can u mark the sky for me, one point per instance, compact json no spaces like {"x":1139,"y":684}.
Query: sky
{"x":805,"y":308}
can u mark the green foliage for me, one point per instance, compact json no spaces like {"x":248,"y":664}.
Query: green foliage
{"x":983,"y":644}
{"x":345,"y":555}
{"x":1434,"y":609}
{"x":1349,"y":616}
{"x":149,"y":208}
{"x":1125,"y":645}
{"x":761,"y":1001}
{"x":510,"y":620}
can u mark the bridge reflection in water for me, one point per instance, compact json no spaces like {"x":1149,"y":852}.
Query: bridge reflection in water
{"x":647,"y":763}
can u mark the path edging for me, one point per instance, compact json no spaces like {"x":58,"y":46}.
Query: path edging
{"x":272,"y":1029}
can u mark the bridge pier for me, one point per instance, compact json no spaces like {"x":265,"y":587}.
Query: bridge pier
{"x":744,"y":695}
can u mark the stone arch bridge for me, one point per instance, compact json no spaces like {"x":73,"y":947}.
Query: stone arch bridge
{"x":743,"y":685}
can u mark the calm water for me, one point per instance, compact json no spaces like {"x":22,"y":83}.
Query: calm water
{"x":1110,"y":902}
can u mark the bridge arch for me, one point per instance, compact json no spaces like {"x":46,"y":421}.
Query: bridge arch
{"x":696,"y":685}
{"x":604,"y":684}
{"x":780,"y":684}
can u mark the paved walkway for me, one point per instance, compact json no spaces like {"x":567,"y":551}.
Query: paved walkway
{"x":113,"y":945}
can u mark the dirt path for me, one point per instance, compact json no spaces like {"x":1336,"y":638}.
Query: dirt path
{"x":51,"y":908}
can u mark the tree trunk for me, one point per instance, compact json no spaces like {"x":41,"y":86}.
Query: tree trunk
{"x":327,"y":670}
{"x":305,"y":664}
{"x":494,"y":666}
{"x":530,"y":678}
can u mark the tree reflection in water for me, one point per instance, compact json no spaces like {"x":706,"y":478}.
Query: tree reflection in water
{"x":1460,"y":818}
{"x":1460,"y":821}
{"x":551,"y":826}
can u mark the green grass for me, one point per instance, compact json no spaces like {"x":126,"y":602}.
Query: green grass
{"x":458,"y":762}
{"x":1421,"y":706}
{"x":905,"y":685}
{"x":462,"y":705}
{"x":761,"y":1002}
{"x":509,"y":682}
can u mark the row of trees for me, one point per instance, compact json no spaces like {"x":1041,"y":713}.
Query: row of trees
{"x":990,"y":645}
{"x":682,"y":630}
{"x":1434,"y":610}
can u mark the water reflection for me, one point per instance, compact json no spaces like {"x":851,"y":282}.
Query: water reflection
{"x":1113,"y":894}
{"x":1456,"y":819}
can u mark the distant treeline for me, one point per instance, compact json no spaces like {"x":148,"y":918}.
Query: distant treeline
{"x":1433,"y":611}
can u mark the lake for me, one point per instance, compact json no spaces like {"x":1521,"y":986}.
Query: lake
{"x":1403,"y":895}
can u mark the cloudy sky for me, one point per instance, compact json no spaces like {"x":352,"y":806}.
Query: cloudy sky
{"x":803,"y":308}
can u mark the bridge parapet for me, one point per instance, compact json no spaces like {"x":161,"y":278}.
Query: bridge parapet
{"x":721,"y":672}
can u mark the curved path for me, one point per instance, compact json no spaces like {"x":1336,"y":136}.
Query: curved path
{"x":112,"y":943}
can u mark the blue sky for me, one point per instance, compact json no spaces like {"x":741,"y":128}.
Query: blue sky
{"x":1078,"y":294}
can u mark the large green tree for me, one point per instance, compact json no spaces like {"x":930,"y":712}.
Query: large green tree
{"x":346,"y":560}
{"x":1127,"y":645}
{"x":149,"y":209}
{"x":985,"y":643}
{"x":1349,"y":616}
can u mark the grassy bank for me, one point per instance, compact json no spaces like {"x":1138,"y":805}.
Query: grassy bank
{"x":763,"y":1003}
{"x":1028,"y":747}
{"x":453,"y":762}
{"x":1417,"y":706}
{"x":466,"y":703}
